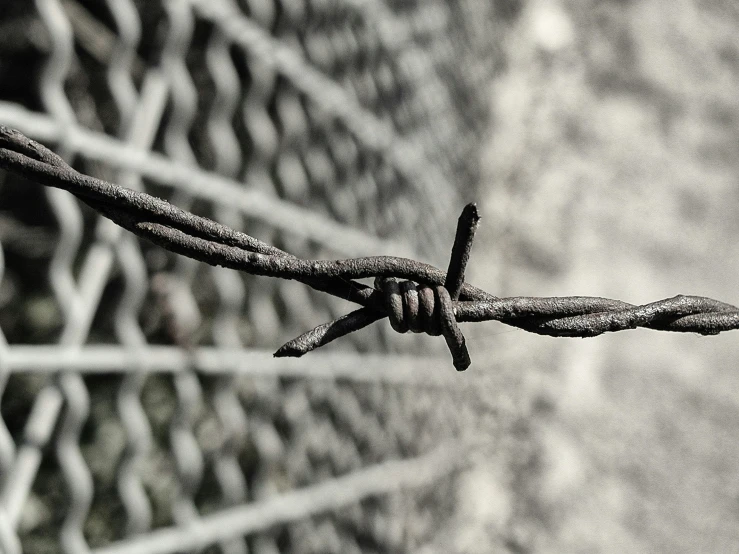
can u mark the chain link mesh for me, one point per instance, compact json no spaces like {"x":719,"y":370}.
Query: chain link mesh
{"x":140,"y":412}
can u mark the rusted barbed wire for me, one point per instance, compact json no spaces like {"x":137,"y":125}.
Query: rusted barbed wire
{"x":415,"y":296}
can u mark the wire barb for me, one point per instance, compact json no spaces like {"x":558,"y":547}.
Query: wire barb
{"x":415,"y":296}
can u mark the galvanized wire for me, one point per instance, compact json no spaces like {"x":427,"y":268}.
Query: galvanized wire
{"x":371,"y":132}
{"x":344,"y":120}
{"x":386,"y":477}
{"x":230,"y":288}
{"x":207,"y":185}
{"x":220,"y":362}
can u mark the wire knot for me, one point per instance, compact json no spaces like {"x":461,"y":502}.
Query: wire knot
{"x":202,"y":239}
{"x":412,"y":307}
{"x":424,"y":309}
{"x":430,"y":301}
{"x":421,"y":308}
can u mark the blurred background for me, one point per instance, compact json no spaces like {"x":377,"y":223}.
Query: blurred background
{"x":141,"y":407}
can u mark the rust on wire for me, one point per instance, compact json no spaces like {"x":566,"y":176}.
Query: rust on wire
{"x":414,"y":296}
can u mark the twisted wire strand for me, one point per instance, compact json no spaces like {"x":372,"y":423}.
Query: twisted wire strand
{"x":66,"y":290}
{"x":47,"y":407}
{"x":410,"y":160}
{"x":210,"y":242}
{"x":73,"y":464}
{"x":186,"y":451}
{"x":122,"y":59}
{"x":416,"y":63}
{"x":139,"y":437}
{"x":54,"y":99}
{"x":7,"y":445}
{"x":131,"y":108}
{"x":9,"y":541}
{"x":330,"y":495}
{"x":206,"y":185}
{"x":230,"y":288}
{"x":399,"y":370}
{"x":264,"y":136}
{"x":290,"y":171}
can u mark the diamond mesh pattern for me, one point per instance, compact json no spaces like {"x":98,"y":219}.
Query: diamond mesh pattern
{"x":138,"y":403}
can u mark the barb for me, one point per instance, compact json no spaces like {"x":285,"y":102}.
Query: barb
{"x":415,"y":296}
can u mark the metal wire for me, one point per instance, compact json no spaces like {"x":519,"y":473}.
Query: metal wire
{"x":210,"y":242}
{"x":352,"y":122}
{"x":371,"y":132}
{"x":219,"y":362}
{"x":207,"y":185}
{"x":335,"y":115}
{"x":385,"y":477}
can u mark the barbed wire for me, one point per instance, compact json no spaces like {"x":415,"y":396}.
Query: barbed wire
{"x":414,"y":296}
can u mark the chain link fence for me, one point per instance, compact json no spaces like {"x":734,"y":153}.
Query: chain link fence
{"x":141,"y":408}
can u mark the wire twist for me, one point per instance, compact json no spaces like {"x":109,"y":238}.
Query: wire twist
{"x":415,"y":296}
